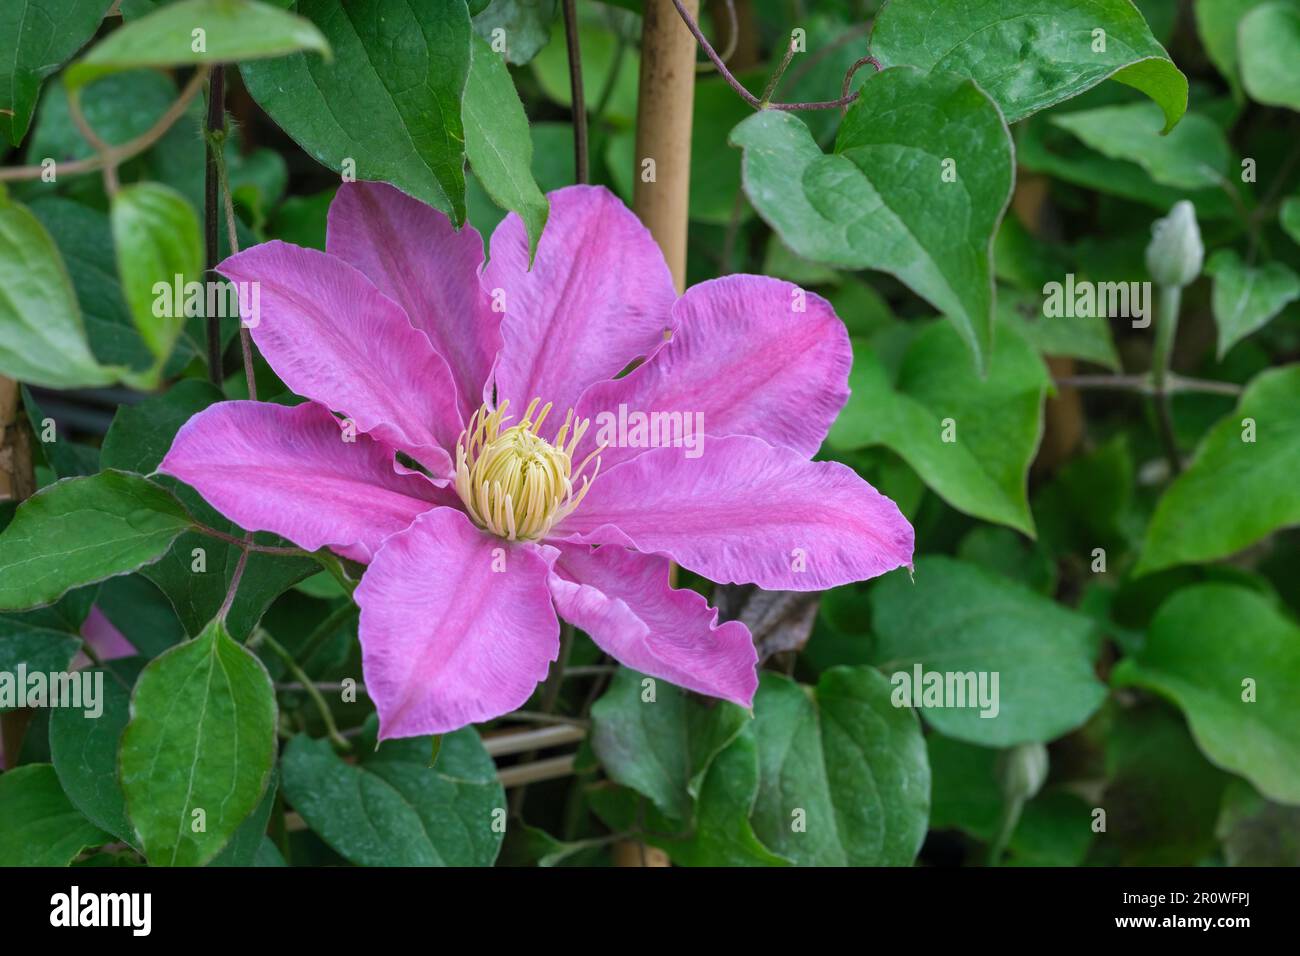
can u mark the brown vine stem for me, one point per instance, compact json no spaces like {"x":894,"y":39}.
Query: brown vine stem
{"x":733,"y":38}
{"x":249,"y":545}
{"x":120,"y":154}
{"x":739,"y":87}
{"x":580,"y":150}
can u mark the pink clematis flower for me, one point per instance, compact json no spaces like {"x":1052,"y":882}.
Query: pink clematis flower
{"x":513,"y":515}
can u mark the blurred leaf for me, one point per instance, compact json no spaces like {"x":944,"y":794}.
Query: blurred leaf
{"x":880,"y":201}
{"x":996,"y":421}
{"x":1030,"y":56}
{"x":1249,"y":729}
{"x":526,"y":25}
{"x":44,"y":341}
{"x":1003,"y":550}
{"x":81,"y":530}
{"x":38,"y":826}
{"x":156,"y":235}
{"x":1235,"y":492}
{"x":1247,"y":297}
{"x":843,"y":776}
{"x":958,"y":619}
{"x":198,"y":31}
{"x":603,"y":67}
{"x":1268,"y":43}
{"x":497,"y":143}
{"x":779,"y":621}
{"x":389,"y":104}
{"x":391,"y":809}
{"x":119,"y":109}
{"x":1087,"y":503}
{"x":213,"y":755}
{"x":1193,"y":156}
{"x":1216,"y":24}
{"x":1255,"y":831}
{"x":1086,"y":338}
{"x":1289,"y":217}
{"x":36,"y":36}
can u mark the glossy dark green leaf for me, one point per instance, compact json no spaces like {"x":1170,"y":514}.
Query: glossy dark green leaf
{"x":392,"y":809}
{"x":36,"y":37}
{"x":843,"y":776}
{"x":197,"y":755}
{"x":38,"y":825}
{"x":81,"y":530}
{"x":389,"y":103}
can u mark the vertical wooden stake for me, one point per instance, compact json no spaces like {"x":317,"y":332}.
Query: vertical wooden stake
{"x":665,"y":106}
{"x":17,"y":481}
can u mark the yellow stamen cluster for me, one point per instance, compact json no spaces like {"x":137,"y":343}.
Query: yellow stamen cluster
{"x":514,"y":483}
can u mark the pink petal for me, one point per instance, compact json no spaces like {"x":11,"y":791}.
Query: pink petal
{"x":446,"y":638}
{"x":104,"y":638}
{"x":741,"y":362}
{"x":413,"y":255}
{"x":333,"y":337}
{"x":288,"y":470}
{"x":598,"y":296}
{"x":747,"y":512}
{"x":624,"y":602}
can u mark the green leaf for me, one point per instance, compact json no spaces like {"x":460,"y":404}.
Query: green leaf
{"x":880,"y":201}
{"x":497,"y":142}
{"x":1193,"y":156}
{"x":198,"y":31}
{"x":1216,"y":23}
{"x":81,"y":530}
{"x":156,"y":234}
{"x":43,"y":341}
{"x":196,"y":583}
{"x":38,"y":648}
{"x":36,"y":36}
{"x":958,"y":619}
{"x":38,"y":826}
{"x":604,"y":67}
{"x":1246,"y":297}
{"x":201,"y":738}
{"x":119,"y":109}
{"x":1288,"y":216}
{"x":84,"y":751}
{"x":996,"y":421}
{"x":526,"y":25}
{"x":1162,"y":796}
{"x":1255,"y":831}
{"x":392,"y":809}
{"x":843,"y":776}
{"x":1031,"y":54}
{"x":1268,"y":41}
{"x":657,"y":739}
{"x":1086,"y":338}
{"x":389,"y":105}
{"x":249,"y":840}
{"x":1231,"y":662}
{"x":1236,"y":491}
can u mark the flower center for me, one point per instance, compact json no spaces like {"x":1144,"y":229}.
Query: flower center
{"x":514,"y":483}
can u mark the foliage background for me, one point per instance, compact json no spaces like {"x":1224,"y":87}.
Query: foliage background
{"x":1121,"y":688}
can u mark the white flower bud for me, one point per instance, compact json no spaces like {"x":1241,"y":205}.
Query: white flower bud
{"x":1176,"y":253}
{"x":1022,"y":771}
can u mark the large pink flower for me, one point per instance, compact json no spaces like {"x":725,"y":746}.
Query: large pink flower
{"x":497,"y":516}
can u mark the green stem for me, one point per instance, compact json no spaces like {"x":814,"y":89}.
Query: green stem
{"x":1166,"y":330}
{"x":326,"y":629}
{"x":310,"y":689}
{"x":1006,"y":827}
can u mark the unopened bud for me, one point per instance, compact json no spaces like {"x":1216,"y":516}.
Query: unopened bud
{"x":1176,"y":253}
